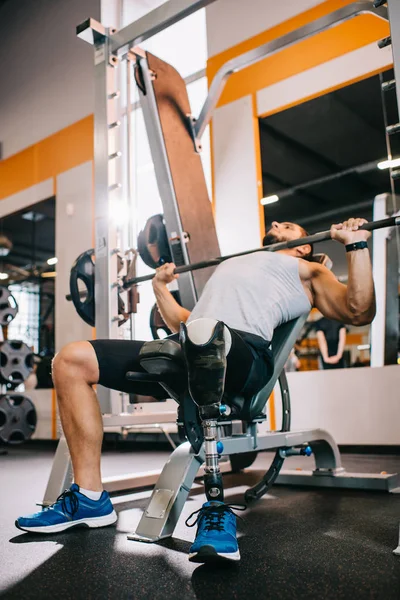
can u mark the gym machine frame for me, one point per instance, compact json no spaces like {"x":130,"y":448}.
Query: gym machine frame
{"x":111,"y":49}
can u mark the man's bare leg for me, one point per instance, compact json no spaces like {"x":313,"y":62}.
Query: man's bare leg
{"x":75,"y":371}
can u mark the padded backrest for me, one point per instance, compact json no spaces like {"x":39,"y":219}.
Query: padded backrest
{"x":284,"y":339}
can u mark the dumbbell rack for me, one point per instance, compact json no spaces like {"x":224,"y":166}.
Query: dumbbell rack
{"x":17,"y":412}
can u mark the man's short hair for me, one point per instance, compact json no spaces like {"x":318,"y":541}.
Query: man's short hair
{"x":304,"y":233}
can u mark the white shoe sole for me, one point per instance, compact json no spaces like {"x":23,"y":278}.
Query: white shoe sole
{"x":91,"y":522}
{"x":208,"y":554}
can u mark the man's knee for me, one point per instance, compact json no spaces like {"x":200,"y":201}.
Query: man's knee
{"x":77,"y":360}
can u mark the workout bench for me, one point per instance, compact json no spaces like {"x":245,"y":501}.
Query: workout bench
{"x":161,"y":358}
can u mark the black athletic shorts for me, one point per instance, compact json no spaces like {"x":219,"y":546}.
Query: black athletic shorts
{"x":249,"y":365}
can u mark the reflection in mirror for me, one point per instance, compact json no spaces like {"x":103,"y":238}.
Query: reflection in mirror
{"x":27,"y":271}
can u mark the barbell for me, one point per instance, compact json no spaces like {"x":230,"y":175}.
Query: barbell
{"x":322,"y":236}
{"x":153,"y":249}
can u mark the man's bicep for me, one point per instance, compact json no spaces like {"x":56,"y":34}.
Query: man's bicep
{"x":330,"y":296}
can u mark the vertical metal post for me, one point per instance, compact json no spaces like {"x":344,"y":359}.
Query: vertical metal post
{"x":379,"y":237}
{"x":392,"y":298}
{"x":394,"y":19}
{"x":132,"y":233}
{"x":164,"y":178}
{"x":105,"y":156}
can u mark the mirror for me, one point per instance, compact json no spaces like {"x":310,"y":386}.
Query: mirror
{"x":320,"y":166}
{"x":27,"y":270}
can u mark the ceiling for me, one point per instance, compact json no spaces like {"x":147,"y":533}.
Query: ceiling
{"x":324,"y":137}
{"x":33,"y":242}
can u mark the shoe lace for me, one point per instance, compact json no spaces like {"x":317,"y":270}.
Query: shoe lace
{"x":214,"y":515}
{"x":73,"y":500}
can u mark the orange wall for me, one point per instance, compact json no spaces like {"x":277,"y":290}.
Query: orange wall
{"x":334,"y":42}
{"x":48,"y":158}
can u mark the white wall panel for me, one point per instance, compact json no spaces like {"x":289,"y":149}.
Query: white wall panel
{"x":230,"y":22}
{"x":236,"y":196}
{"x":32,"y":195}
{"x":315,"y":81}
{"x":42,"y":399}
{"x":74,"y":227}
{"x":357,"y":406}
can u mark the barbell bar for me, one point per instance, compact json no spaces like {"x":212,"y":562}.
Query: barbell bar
{"x":322,"y":236}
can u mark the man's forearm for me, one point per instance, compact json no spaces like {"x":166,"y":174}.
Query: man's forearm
{"x":360,"y":287}
{"x":170,"y":310}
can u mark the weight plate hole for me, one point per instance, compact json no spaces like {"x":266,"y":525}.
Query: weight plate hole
{"x":17,"y":400}
{"x":16,"y":344}
{"x":3,"y":418}
{"x":16,"y":377}
{"x":3,"y":359}
{"x":16,"y":437}
{"x":31,"y":418}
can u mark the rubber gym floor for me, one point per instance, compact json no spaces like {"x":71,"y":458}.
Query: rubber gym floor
{"x":295,"y":543}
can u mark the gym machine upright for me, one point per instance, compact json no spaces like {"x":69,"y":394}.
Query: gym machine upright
{"x":191,"y":234}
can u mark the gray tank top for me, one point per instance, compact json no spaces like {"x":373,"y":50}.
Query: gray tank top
{"x":254,"y":293}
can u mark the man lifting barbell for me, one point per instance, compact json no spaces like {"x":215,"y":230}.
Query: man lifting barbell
{"x":246,"y":298}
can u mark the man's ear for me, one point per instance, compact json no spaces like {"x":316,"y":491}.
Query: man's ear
{"x":303,"y":250}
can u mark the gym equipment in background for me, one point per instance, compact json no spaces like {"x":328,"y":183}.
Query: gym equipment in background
{"x":153,"y":248}
{"x":152,"y":243}
{"x":157,"y":323}
{"x":17,"y":418}
{"x":8,"y":307}
{"x":83,"y":271}
{"x":16,"y":362}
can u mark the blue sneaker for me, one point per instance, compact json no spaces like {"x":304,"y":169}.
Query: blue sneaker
{"x":70,"y":510}
{"x":216,"y":534}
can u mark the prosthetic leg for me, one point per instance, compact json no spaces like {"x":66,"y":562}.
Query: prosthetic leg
{"x":205,"y":344}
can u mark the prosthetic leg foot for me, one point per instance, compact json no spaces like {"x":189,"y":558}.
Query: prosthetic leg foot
{"x":205,"y":357}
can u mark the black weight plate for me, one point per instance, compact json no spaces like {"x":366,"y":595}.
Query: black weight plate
{"x":152,"y":243}
{"x":83,"y":270}
{"x":8,"y":307}
{"x":17,"y":418}
{"x":16,"y":362}
{"x":157,"y":323}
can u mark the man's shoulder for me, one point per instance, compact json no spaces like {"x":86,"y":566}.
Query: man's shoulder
{"x":310,"y":270}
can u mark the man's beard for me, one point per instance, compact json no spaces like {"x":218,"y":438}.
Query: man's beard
{"x":271,"y":238}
